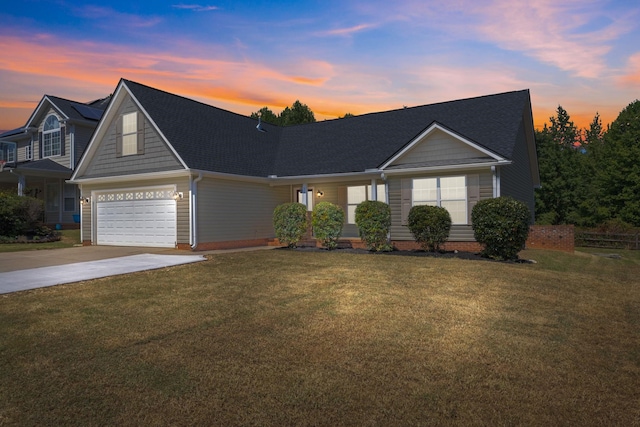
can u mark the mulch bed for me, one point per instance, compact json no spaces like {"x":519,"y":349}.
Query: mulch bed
{"x":413,"y":253}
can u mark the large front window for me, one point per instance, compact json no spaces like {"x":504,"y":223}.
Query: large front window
{"x":447,"y":192}
{"x":51,"y":140}
{"x":358,"y":194}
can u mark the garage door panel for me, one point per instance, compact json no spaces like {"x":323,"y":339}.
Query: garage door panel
{"x":136,"y":222}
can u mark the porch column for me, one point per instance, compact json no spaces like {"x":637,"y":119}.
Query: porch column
{"x":374,"y":189}
{"x":303,"y":195}
{"x":21,"y":185}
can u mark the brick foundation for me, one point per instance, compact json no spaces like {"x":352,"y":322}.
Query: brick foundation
{"x":552,"y":237}
{"x":234,"y":244}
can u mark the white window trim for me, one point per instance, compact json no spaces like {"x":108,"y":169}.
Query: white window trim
{"x":51,"y":133}
{"x":438,"y":201}
{"x":130,"y":149}
{"x":368,"y":196}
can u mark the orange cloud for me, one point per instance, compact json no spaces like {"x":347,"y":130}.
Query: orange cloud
{"x":632,"y":73}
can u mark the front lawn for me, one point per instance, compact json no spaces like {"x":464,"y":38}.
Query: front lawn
{"x":277,"y":338}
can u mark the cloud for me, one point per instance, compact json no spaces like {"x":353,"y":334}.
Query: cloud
{"x":346,"y":31}
{"x":107,"y":17}
{"x":574,"y":36}
{"x":195,"y":7}
{"x":632,"y":73}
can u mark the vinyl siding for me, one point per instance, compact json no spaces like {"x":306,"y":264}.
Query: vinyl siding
{"x":157,"y":156}
{"x":182,"y":208}
{"x":459,"y":233}
{"x":234,"y":210}
{"x":515,"y":179}
{"x":438,"y":146}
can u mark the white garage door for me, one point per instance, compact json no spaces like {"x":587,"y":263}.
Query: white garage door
{"x":144,"y":217}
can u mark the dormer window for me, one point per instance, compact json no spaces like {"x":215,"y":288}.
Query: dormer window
{"x":130,"y":135}
{"x":51,"y":137}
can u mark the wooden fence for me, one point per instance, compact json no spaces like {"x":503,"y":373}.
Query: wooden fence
{"x":608,"y":240}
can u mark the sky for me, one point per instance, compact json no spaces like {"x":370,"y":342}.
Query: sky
{"x":337,"y":57}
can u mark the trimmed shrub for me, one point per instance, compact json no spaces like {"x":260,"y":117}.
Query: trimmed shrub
{"x":430,"y":226}
{"x":374,"y":221}
{"x":327,"y":220}
{"x":502,"y":226}
{"x":20,"y":215}
{"x":290,"y":223}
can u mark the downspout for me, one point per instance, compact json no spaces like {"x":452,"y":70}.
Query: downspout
{"x":194,"y":207}
{"x":496,"y":181}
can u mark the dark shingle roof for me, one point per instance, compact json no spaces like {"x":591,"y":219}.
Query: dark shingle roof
{"x":209,"y":138}
{"x":43,"y":165}
{"x":78,"y":110}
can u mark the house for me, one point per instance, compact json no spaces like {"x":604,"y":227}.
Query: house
{"x":163,"y":170}
{"x":38,"y":158}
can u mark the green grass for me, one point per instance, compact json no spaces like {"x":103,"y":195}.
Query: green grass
{"x":302,"y":338}
{"x":68,"y":239}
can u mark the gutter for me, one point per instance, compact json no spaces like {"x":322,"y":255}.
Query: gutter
{"x":193,"y":198}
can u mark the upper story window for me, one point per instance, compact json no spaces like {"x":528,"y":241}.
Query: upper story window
{"x":130,"y":134}
{"x":28,"y":151}
{"x":51,"y":137}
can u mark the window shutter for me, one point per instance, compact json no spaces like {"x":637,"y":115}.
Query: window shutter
{"x":473,"y":193}
{"x":40,"y":144}
{"x":63,"y":140}
{"x":342,"y":198}
{"x":406,"y":186}
{"x":140,"y":138}
{"x":119,"y":137}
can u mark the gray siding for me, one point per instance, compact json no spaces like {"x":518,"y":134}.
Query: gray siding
{"x":157,"y":156}
{"x":515,"y":179}
{"x":234,"y":210}
{"x":438,"y":146}
{"x":459,"y":233}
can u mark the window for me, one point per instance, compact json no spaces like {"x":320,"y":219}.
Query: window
{"x":8,"y":154}
{"x":52,"y":197}
{"x":51,"y":141}
{"x":448,"y":192}
{"x":28,"y":152}
{"x":129,"y":134}
{"x":70,"y":198}
{"x":360,"y":193}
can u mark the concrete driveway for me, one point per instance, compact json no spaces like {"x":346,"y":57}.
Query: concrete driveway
{"x":39,"y":268}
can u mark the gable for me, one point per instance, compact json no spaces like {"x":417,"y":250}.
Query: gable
{"x":104,"y":158}
{"x":438,"y":147}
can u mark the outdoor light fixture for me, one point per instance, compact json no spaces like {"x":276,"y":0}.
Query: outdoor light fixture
{"x":319,"y":193}
{"x":84,"y":200}
{"x":177,"y":195}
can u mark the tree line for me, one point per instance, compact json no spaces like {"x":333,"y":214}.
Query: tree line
{"x":590,"y":177}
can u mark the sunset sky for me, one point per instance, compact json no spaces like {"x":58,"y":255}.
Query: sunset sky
{"x":335,"y":56}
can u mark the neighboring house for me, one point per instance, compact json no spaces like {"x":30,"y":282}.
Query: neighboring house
{"x":41,"y":155}
{"x":163,"y":170}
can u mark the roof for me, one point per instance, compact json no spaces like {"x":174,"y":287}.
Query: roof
{"x":212,"y":139}
{"x":77,"y":110}
{"x":44,"y":165}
